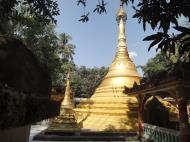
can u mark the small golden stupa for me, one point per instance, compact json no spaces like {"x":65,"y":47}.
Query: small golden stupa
{"x":66,"y":121}
{"x":109,"y":109}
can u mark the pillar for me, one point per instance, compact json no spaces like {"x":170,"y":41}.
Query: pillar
{"x":183,"y":115}
{"x":140,"y":98}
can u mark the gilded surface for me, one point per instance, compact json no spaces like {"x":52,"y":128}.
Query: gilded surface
{"x":172,"y":109}
{"x":109,"y":109}
{"x":68,"y":98}
{"x":66,"y":120}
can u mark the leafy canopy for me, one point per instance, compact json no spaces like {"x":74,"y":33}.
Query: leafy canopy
{"x":86,"y":80}
{"x":53,"y":50}
{"x":157,"y":64}
{"x":43,"y":11}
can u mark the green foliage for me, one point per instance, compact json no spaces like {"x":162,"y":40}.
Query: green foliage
{"x":21,"y":69}
{"x":49,"y":49}
{"x":100,"y":8}
{"x":157,"y":64}
{"x":54,"y":51}
{"x":66,"y":49}
{"x":85,"y":80}
{"x":168,"y":43}
{"x":18,"y":108}
{"x":43,"y":11}
{"x":162,"y":14}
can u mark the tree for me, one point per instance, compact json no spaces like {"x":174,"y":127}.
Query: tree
{"x":86,"y":80}
{"x":43,"y":11}
{"x":66,"y":52}
{"x":44,"y":42}
{"x":157,"y":64}
{"x":66,"y":49}
{"x":20,"y":69}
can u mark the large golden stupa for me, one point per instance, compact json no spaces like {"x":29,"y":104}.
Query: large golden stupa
{"x":109,"y":109}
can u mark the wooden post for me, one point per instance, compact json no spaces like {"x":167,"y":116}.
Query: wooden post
{"x":140,"y":113}
{"x":183,"y":115}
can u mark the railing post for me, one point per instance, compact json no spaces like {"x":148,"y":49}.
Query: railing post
{"x":159,"y":134}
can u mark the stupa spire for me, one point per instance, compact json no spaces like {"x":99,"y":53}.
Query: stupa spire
{"x":122,"y":72}
{"x":121,"y":18}
{"x":68,"y":101}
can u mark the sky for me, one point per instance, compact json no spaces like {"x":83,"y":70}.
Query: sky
{"x":96,"y":40}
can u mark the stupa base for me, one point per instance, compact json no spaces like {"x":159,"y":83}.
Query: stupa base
{"x":84,"y":136}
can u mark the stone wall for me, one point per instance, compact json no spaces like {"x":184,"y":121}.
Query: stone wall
{"x":20,"y":134}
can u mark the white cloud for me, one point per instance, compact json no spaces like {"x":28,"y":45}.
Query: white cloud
{"x":132,"y":55}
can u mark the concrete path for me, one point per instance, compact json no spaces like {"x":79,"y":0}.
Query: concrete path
{"x":35,"y":129}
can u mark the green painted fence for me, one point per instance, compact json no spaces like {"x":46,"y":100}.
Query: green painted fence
{"x":159,"y":134}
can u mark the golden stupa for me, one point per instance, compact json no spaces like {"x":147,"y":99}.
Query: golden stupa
{"x":109,"y":109}
{"x":66,"y":121}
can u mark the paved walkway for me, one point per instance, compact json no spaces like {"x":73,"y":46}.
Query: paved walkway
{"x":35,"y":129}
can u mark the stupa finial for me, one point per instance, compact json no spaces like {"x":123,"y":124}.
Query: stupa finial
{"x":121,"y":14}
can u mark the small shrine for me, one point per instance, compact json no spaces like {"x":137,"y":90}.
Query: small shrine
{"x":164,"y":105}
{"x":66,"y":121}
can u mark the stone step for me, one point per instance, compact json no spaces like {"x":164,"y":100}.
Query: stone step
{"x":78,"y":138}
{"x":85,"y":136}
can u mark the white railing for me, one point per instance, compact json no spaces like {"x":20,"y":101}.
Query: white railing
{"x":159,"y":134}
